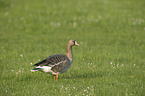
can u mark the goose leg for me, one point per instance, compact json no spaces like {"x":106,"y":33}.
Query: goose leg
{"x":56,"y":77}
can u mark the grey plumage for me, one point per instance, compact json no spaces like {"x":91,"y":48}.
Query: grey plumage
{"x":59,"y":63}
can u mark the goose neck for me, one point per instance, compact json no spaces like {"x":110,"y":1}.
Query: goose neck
{"x":69,"y":53}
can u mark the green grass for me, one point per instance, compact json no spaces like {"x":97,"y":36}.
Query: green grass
{"x":110,"y":60}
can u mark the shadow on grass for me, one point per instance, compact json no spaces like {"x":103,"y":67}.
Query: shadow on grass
{"x":44,"y":76}
{"x":83,"y":75}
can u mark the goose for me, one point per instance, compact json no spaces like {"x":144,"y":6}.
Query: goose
{"x":58,"y":63}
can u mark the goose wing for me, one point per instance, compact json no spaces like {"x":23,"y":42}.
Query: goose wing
{"x":52,"y":60}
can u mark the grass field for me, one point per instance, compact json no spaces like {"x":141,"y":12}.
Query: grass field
{"x":110,"y":60}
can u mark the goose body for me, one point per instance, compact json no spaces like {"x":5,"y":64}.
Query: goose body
{"x":58,"y":63}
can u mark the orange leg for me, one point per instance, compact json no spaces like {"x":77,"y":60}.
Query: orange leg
{"x":56,"y":77}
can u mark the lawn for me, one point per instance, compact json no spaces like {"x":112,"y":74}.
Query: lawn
{"x":110,"y":60}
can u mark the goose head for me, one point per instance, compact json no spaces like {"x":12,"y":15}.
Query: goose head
{"x":73,"y":43}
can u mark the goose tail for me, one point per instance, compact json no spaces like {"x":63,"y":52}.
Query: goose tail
{"x":35,"y":69}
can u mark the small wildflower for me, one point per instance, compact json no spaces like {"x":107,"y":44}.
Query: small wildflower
{"x":134,"y":64}
{"x":85,"y":90}
{"x":74,"y":87}
{"x":19,"y":70}
{"x":31,"y":63}
{"x":117,"y":65}
{"x":74,"y":24}
{"x":12,"y":70}
{"x":21,"y":55}
{"x":110,"y":62}
{"x":122,"y":65}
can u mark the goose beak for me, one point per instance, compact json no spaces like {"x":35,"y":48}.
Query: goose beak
{"x":76,"y":43}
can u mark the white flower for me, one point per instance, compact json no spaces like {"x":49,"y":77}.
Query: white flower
{"x":21,"y":55}
{"x":122,"y":65}
{"x":117,"y":65}
{"x":110,"y":62}
{"x":19,"y":70}
{"x":31,"y":63}
{"x":85,"y":90}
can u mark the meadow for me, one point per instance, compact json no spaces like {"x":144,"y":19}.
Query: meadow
{"x":110,"y":60}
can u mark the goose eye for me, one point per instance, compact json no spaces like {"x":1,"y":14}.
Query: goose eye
{"x":74,"y":42}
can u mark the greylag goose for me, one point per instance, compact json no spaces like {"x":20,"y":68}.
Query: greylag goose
{"x":58,"y":63}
